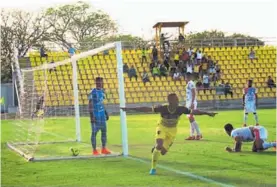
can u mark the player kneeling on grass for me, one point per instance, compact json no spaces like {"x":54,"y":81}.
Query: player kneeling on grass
{"x":98,"y":116}
{"x":257,"y":134}
{"x":167,"y":127}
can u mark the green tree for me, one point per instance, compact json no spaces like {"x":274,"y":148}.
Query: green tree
{"x":73,"y":23}
{"x":19,"y":29}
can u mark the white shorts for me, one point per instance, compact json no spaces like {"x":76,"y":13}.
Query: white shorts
{"x":262,"y":131}
{"x":188,"y":104}
{"x":250,"y":107}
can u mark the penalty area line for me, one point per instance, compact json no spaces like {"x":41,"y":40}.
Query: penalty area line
{"x":185,"y":173}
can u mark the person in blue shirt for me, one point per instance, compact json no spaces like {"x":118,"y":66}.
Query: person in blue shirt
{"x":71,"y":51}
{"x":98,"y":116}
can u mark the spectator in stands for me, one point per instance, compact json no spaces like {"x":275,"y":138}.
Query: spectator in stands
{"x":151,"y":66}
{"x":270,"y":82}
{"x":145,"y":77}
{"x":155,"y":53}
{"x":204,"y":67}
{"x":181,"y":38}
{"x":125,"y":68}
{"x":172,"y":68}
{"x":177,"y":75}
{"x":132,"y":73}
{"x":189,"y":67}
{"x":176,"y":58}
{"x":196,"y":71}
{"x":217,"y":71}
{"x":206,"y":82}
{"x":143,"y":56}
{"x":163,"y":41}
{"x":155,"y":72}
{"x":190,"y":52}
{"x":252,"y":55}
{"x":71,"y":51}
{"x":42,"y":52}
{"x":228,"y":89}
{"x":163,"y":70}
{"x":199,"y":56}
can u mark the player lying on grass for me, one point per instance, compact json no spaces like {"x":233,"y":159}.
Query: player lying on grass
{"x":167,"y":127}
{"x":39,"y":110}
{"x":257,"y":134}
{"x":98,"y":116}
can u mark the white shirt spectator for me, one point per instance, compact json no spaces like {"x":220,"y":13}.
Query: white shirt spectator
{"x":190,"y":51}
{"x":189,"y":68}
{"x":206,"y":79}
{"x":199,"y":55}
{"x":176,"y":75}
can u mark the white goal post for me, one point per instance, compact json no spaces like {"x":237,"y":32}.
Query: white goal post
{"x":24,"y":146}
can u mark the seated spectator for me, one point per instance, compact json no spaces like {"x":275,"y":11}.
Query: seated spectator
{"x":189,"y":67}
{"x":270,"y":82}
{"x":143,"y":56}
{"x":199,"y":56}
{"x":185,"y":56}
{"x":196,"y":71}
{"x":42,"y":52}
{"x":204,"y":67}
{"x":199,"y":84}
{"x":71,"y":51}
{"x":177,"y":75}
{"x":172,"y":68}
{"x":252,"y":55}
{"x":145,"y":77}
{"x":156,"y":72}
{"x":163,"y":71}
{"x":132,"y":73}
{"x":151,"y":66}
{"x":228,"y":89}
{"x":125,"y":68}
{"x":166,"y":64}
{"x":206,"y":82}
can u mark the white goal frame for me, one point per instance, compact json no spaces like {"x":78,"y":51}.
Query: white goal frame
{"x":73,"y":61}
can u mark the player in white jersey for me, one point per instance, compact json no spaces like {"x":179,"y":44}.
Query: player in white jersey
{"x":191,"y":103}
{"x":257,"y":134}
{"x":250,"y":101}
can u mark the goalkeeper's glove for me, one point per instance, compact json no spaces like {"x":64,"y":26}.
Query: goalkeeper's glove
{"x":107,"y":115}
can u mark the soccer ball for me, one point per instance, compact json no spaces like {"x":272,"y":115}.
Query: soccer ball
{"x":75,"y":152}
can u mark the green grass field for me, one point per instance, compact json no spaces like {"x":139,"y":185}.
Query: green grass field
{"x":205,"y":158}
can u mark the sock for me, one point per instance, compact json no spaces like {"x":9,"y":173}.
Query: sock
{"x":104,"y":137}
{"x":155,"y":156}
{"x":196,"y":127}
{"x":267,"y":145}
{"x":93,"y":139}
{"x":191,"y":129}
{"x":256,"y":118}
{"x":245,"y":118}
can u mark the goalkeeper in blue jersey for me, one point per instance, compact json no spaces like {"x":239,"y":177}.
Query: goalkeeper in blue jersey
{"x":98,"y":116}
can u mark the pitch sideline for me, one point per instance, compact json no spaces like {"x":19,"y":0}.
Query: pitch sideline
{"x":185,"y":173}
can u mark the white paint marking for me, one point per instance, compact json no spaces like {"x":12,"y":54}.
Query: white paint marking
{"x":185,"y":173}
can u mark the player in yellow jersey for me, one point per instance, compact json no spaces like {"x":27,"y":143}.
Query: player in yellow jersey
{"x":167,"y":126}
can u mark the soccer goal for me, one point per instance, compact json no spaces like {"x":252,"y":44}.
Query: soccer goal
{"x":53,"y":114}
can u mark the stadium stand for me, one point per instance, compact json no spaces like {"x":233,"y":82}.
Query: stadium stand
{"x":235,"y":65}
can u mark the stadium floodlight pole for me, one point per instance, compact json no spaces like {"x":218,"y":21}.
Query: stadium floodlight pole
{"x":123,"y":122}
{"x":76,"y":98}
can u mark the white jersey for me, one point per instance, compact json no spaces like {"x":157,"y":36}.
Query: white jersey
{"x":250,"y":99}
{"x":189,"y":87}
{"x":244,"y":132}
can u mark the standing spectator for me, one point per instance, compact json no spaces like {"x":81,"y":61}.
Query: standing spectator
{"x":217,"y":72}
{"x":190,"y":52}
{"x":199,"y":56}
{"x":172,"y":68}
{"x":206,"y":82}
{"x":252,"y":55}
{"x":176,"y":58}
{"x":177,"y":75}
{"x":204,"y":67}
{"x":181,"y":38}
{"x":145,"y":77}
{"x":228,"y":89}
{"x":185,"y":56}
{"x":155,"y":53}
{"x":196,"y":71}
{"x":163,"y":71}
{"x":125,"y":68}
{"x":156,"y":72}
{"x":143,"y":56}
{"x":270,"y":82}
{"x":163,"y":41}
{"x":189,"y":67}
{"x":71,"y":51}
{"x":151,"y":66}
{"x":132,"y":73}
{"x":42,"y":52}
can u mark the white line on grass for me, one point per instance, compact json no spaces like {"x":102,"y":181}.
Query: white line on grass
{"x":185,"y":173}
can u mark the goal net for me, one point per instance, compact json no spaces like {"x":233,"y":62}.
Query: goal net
{"x":53,"y":120}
